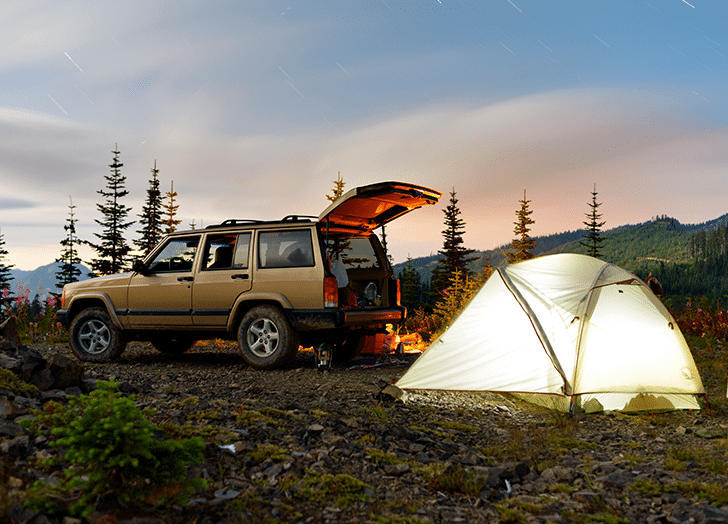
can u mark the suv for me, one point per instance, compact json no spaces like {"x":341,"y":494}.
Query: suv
{"x":273,"y":286}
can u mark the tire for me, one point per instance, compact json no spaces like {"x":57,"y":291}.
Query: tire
{"x":349,"y":348}
{"x":266,"y":338}
{"x":172,"y":344}
{"x":94,"y":337}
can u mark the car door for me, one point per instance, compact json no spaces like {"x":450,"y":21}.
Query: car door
{"x":224,"y":274}
{"x":161,"y":295}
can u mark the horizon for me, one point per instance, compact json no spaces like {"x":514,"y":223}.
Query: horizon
{"x":479,"y":250}
{"x":252,"y":110}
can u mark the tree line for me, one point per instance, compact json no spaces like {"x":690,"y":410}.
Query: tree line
{"x":158,"y":217}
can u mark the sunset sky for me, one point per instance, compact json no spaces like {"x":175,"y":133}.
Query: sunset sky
{"x":252,"y":108}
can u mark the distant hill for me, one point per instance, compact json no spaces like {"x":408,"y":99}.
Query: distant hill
{"x":632,"y":246}
{"x":42,"y":280}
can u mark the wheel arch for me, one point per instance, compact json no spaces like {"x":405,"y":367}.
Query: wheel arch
{"x":100,"y":300}
{"x":247,"y":301}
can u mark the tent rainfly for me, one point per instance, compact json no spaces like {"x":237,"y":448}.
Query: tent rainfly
{"x":564,"y":330}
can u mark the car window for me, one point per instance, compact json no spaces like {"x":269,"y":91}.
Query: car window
{"x":242,"y":249}
{"x":285,"y":249}
{"x":355,"y":252}
{"x":178,"y":255}
{"x":219,"y":251}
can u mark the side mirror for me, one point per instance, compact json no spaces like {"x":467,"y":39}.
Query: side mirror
{"x":138,"y":266}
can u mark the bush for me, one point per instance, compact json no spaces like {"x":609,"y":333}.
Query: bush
{"x":113,"y":454}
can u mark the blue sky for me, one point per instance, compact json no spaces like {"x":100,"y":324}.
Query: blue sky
{"x":252,"y":108}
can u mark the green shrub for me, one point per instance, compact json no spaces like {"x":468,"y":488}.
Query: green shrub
{"x":113,"y":455}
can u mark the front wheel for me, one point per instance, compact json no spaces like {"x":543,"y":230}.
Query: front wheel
{"x":266,"y":338}
{"x":94,"y":337}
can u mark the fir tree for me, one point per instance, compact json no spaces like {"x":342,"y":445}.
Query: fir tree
{"x":151,"y":217}
{"x":170,"y":211}
{"x":593,"y":237}
{"x":5,"y":278}
{"x":522,"y":245}
{"x":409,"y":278}
{"x":112,"y":248}
{"x":69,"y":270}
{"x":454,"y":255}
{"x":338,"y":189}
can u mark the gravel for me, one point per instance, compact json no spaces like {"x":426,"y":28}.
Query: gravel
{"x":341,"y":449}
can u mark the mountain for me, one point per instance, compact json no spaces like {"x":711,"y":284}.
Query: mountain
{"x":42,"y":280}
{"x":633,"y":246}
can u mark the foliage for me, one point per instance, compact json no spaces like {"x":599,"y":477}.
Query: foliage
{"x":409,"y":278}
{"x":113,"y":454}
{"x":455,"y":257}
{"x":5,"y":277}
{"x":454,"y":299}
{"x":593,"y":237}
{"x":704,"y":320}
{"x":112,"y":250}
{"x":11,"y":382}
{"x":522,"y":246}
{"x":170,"y":211}
{"x":151,"y":216}
{"x":456,"y":479}
{"x":338,"y":189}
{"x":69,"y":270}
{"x":342,"y":489}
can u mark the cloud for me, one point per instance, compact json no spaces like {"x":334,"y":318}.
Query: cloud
{"x":15,"y":203}
{"x":648,"y":152}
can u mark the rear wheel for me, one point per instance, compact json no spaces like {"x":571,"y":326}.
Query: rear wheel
{"x":172,"y":345}
{"x":266,"y":338}
{"x":94,"y":337}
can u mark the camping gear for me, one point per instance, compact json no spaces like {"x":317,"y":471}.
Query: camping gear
{"x":564,"y":330}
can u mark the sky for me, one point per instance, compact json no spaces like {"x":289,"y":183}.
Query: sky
{"x":253,"y":108}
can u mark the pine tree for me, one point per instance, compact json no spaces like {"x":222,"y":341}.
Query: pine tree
{"x":6,"y":277}
{"x":384,"y":244}
{"x":170,"y":211}
{"x":338,"y":189}
{"x":112,"y":248}
{"x":409,"y":278}
{"x":522,"y":245}
{"x":151,"y":216}
{"x":69,"y":270}
{"x":593,"y":238}
{"x":454,"y":255}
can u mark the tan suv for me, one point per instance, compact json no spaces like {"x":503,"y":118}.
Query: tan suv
{"x":273,"y":286}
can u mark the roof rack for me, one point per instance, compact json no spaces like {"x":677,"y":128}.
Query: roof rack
{"x":234,"y":222}
{"x":296,"y":218}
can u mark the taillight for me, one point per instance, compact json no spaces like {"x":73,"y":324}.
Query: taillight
{"x":63,"y":299}
{"x":399,"y":293}
{"x":331,"y":292}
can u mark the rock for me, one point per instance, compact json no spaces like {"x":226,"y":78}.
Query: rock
{"x":9,"y":332}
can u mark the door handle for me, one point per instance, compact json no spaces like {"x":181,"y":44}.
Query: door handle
{"x":241,"y":276}
{"x":185,"y":279}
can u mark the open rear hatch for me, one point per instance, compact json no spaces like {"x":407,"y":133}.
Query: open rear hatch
{"x":365,"y":208}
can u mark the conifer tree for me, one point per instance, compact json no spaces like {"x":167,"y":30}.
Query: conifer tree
{"x":593,"y":237}
{"x":338,"y":189}
{"x":454,"y":257}
{"x":112,"y":249}
{"x":409,"y":277}
{"x":170,"y":211}
{"x":5,"y":278}
{"x":69,"y":270}
{"x":151,"y":216}
{"x":522,"y":245}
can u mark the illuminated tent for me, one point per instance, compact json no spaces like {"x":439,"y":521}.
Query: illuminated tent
{"x":564,"y":330}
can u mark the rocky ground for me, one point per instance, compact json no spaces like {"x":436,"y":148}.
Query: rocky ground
{"x":297,"y":445}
